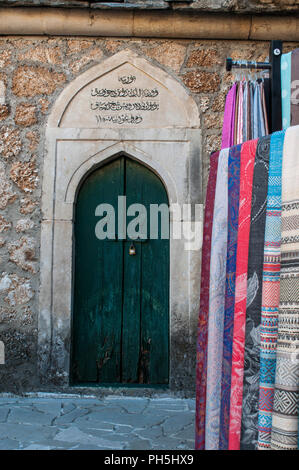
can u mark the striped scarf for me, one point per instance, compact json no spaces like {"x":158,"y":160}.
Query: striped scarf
{"x":270,"y":295}
{"x":286,"y":395}
{"x":232,"y":238}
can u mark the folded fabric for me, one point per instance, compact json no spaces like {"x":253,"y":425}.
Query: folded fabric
{"x":246,"y":177}
{"x":270,"y":295}
{"x":216,"y":304}
{"x":202,"y":341}
{"x":232,"y":237}
{"x":249,"y":423}
{"x":286,"y":395}
{"x":286,"y":66}
{"x":295,"y":88}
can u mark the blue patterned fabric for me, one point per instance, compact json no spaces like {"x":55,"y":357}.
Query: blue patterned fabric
{"x":270,"y":296}
{"x":232,"y":238}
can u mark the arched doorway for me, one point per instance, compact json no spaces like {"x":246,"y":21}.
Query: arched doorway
{"x":120,"y":322}
{"x":168,"y":141}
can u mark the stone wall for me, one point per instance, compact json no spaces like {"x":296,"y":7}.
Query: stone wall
{"x":239,"y":6}
{"x":33,"y":72}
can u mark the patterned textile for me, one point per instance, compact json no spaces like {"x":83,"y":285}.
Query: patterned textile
{"x":295,"y":88}
{"x":201,"y":369}
{"x":249,"y":432}
{"x":286,"y":394}
{"x":232,"y":237}
{"x":270,"y":295}
{"x":216,"y":305}
{"x":286,"y":65}
{"x":229,"y":118}
{"x":246,"y":177}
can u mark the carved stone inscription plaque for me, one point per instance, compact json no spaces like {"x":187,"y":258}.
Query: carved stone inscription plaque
{"x":125,"y":97}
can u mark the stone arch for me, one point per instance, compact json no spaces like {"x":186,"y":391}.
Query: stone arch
{"x":107,"y":154}
{"x":168,"y":145}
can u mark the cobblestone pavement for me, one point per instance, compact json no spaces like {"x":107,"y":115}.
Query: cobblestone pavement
{"x":71,"y":422}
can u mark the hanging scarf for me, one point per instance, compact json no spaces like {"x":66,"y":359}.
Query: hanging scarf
{"x":245,"y":113}
{"x":252,"y":110}
{"x":286,"y":65}
{"x":270,"y":295}
{"x":264,"y":108}
{"x":229,"y":118}
{"x":216,"y":304}
{"x":246,"y":178}
{"x":201,"y":369}
{"x":237,"y":114}
{"x":262,"y":128}
{"x":255,"y":111}
{"x":286,"y":394}
{"x":240,"y":114}
{"x":254,"y":296}
{"x":232,"y":237}
{"x":295,"y":88}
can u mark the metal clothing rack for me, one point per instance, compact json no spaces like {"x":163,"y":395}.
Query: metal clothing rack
{"x":273,"y":66}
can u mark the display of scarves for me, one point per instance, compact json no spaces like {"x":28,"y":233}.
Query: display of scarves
{"x":286,"y":394}
{"x":201,"y":369}
{"x":286,"y":68}
{"x":270,"y":294}
{"x":249,"y":432}
{"x":246,"y":176}
{"x":252,"y":350}
{"x":216,"y":304}
{"x":246,"y":112}
{"x":232,"y":237}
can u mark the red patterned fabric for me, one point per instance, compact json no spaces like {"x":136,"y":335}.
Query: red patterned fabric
{"x":201,"y":368}
{"x":246,"y":178}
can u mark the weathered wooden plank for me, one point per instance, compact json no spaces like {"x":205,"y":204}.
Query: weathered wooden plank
{"x":154,"y":361}
{"x":98,"y":283}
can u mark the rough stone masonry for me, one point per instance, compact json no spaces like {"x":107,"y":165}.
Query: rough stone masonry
{"x":33,"y":72}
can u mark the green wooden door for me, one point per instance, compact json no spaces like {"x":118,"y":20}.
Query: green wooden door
{"x":120,"y":324}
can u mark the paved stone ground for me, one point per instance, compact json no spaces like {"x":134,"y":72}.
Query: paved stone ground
{"x":70,"y":422}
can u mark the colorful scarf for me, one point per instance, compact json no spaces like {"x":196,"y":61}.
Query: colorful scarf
{"x":229,"y":118}
{"x":232,"y":237}
{"x":262,"y":129}
{"x":295,"y":88}
{"x":235,"y":142}
{"x":201,"y":369}
{"x":249,"y":433}
{"x":246,"y":178}
{"x":216,"y":304}
{"x":270,"y":295}
{"x":286,"y":394}
{"x":240,"y":114}
{"x":286,"y":65}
